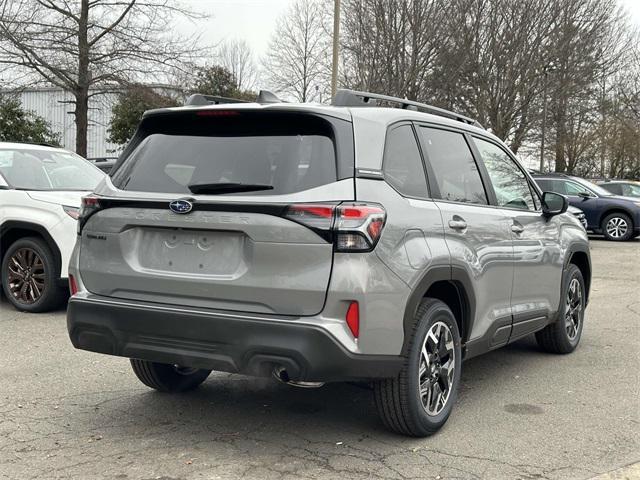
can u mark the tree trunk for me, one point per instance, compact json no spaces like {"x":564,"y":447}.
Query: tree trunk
{"x":82,"y":120}
{"x":82,"y":91}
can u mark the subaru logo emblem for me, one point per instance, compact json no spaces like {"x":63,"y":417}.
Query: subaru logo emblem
{"x":180,"y":206}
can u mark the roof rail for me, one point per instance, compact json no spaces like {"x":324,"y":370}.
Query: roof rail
{"x":354,"y":98}
{"x":264,"y":96}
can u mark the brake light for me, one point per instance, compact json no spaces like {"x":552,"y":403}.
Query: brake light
{"x":73,"y":212}
{"x":353,"y":319}
{"x":217,"y":113}
{"x":358,"y":227}
{"x":89,"y":205}
{"x":73,"y":286}
{"x":316,"y":216}
{"x":355,"y":227}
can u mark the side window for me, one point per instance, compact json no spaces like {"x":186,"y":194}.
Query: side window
{"x":556,"y":186}
{"x":545,"y":185}
{"x":510,"y":184}
{"x":455,"y":169}
{"x":619,"y":189}
{"x":630,"y":190}
{"x":574,"y":189}
{"x":403,"y":167}
{"x":559,"y":186}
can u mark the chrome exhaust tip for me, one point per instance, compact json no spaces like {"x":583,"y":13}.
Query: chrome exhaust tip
{"x":280,"y":374}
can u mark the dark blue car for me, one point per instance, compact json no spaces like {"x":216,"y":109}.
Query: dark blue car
{"x":616,"y":217}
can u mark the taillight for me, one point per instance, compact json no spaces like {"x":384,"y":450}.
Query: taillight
{"x":90,"y":205}
{"x":354,"y":227}
{"x":358,"y":227}
{"x":316,"y":216}
{"x":73,"y":286}
{"x":73,"y":212}
{"x":353,"y":319}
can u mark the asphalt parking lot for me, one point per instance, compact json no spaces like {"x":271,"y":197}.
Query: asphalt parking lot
{"x":521,"y":413}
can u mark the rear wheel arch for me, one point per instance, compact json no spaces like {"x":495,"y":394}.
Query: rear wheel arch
{"x":450,"y":285}
{"x":13,"y":230}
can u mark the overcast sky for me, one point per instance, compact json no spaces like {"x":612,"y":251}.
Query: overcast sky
{"x":254,"y":20}
{"x":250,"y":20}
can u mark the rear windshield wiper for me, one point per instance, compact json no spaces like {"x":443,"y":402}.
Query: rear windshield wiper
{"x":213,"y":188}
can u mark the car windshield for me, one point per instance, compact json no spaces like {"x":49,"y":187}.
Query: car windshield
{"x":37,"y":169}
{"x":593,"y":187}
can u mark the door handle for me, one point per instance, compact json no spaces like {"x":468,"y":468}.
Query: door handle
{"x":457,"y":224}
{"x":517,"y":228}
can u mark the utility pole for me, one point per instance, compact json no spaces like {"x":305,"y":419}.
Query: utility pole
{"x":544,"y":117}
{"x":603,"y":125}
{"x":544,"y":121}
{"x":548,"y":68}
{"x":336,"y":39}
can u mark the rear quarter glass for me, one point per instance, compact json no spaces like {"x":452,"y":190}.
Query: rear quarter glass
{"x":291,"y":152}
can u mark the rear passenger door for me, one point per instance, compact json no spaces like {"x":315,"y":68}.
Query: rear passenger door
{"x":477,"y":234}
{"x":536,"y":240}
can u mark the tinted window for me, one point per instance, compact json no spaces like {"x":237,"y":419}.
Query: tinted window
{"x":617,"y":189}
{"x":614,"y":188}
{"x":545,"y":185}
{"x":48,"y":170}
{"x":575,"y":188}
{"x":630,"y":190}
{"x":402,"y":163}
{"x":456,"y":171}
{"x":289,"y":153}
{"x":509,"y":182}
{"x":548,"y":185}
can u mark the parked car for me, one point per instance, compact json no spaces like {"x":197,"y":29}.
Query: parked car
{"x":626,"y":188}
{"x":323,"y":243}
{"x":614,"y":216}
{"x":40,"y":192}
{"x":579,"y":214}
{"x":104,"y":163}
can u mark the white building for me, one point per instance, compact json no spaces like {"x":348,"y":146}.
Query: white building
{"x":56,"y":107}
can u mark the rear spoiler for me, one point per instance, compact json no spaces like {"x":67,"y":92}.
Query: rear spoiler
{"x":199,"y":99}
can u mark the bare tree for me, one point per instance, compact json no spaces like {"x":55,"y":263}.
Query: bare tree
{"x":298,"y":58}
{"x":87,"y":47}
{"x":491,"y":63}
{"x":236,"y":56}
{"x":391,"y":47}
{"x":585,"y":46}
{"x":622,"y":128}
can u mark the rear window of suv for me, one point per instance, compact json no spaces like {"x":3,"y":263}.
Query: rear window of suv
{"x":286,"y":152}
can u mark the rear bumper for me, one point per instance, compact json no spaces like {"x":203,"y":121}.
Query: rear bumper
{"x":250,"y":345}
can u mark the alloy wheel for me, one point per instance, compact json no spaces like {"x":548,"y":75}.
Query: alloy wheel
{"x":617,"y":227}
{"x":437,"y":368}
{"x":26,"y":276}
{"x":573,"y":311}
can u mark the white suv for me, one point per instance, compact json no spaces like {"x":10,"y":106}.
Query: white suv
{"x":40,"y":192}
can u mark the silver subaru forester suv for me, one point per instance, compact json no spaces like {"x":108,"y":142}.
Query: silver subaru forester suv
{"x":323,"y":243}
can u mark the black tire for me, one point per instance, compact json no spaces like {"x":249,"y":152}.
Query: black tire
{"x":398,"y":400}
{"x":168,"y":378}
{"x":51,"y":294}
{"x":556,"y":337}
{"x":614,"y":232}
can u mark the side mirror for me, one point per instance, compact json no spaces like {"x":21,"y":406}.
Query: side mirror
{"x":554,"y":204}
{"x":585,"y":195}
